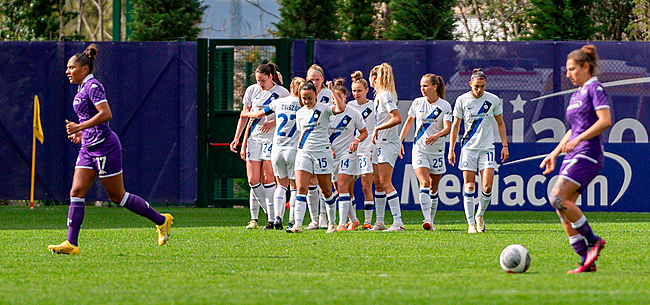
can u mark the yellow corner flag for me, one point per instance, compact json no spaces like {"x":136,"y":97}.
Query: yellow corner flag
{"x":38,"y":129}
{"x":38,"y":133}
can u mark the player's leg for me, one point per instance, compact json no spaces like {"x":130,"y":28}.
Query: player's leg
{"x":345,"y":203}
{"x":280,"y":201}
{"x":331,"y":199}
{"x":469,"y":178}
{"x":380,"y":202}
{"x":422,"y":173}
{"x":256,"y":199}
{"x":81,"y":181}
{"x":302,"y":188}
{"x":369,"y":199}
{"x":487,"y":178}
{"x":292,"y":202}
{"x":434,"y":180}
{"x":352,"y":212}
{"x":574,"y":222}
{"x":269,"y":189}
{"x":385,"y":173}
{"x":313,"y":201}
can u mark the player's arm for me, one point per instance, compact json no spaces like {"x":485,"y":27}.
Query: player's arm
{"x":445,"y":131}
{"x":244,"y":143}
{"x":103,"y":115}
{"x":241,"y":124}
{"x":395,"y":119}
{"x":548,"y":164}
{"x":604,"y":121}
{"x":339,"y":105}
{"x":363,"y":134}
{"x":455,"y":127}
{"x":505,"y":153}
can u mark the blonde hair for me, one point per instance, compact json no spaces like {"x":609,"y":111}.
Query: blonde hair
{"x":296,"y":84}
{"x":384,"y":79}
{"x":357,"y":77}
{"x":320,"y":71}
{"x":586,"y":54}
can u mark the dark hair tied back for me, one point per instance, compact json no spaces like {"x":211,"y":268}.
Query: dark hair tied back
{"x":87,"y":57}
{"x":270,"y":70}
{"x":478,"y":73}
{"x":308,"y":85}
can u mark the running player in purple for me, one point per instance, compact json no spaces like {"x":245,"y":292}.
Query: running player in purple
{"x":100,"y":154}
{"x":588,"y":116}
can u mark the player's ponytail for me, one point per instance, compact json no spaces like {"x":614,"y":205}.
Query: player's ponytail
{"x":296,"y":84}
{"x":270,"y":70}
{"x":384,"y":80}
{"x":357,"y":77}
{"x":87,"y":57}
{"x":586,"y":54}
{"x":338,"y":86}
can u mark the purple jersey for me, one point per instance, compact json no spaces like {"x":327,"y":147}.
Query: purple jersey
{"x":90,"y":94}
{"x":581,"y":115}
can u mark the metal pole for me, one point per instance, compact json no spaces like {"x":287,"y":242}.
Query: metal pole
{"x":129,"y":9}
{"x":202,"y":183}
{"x":117,"y":20}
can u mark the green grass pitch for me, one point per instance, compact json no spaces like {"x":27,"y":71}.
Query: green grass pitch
{"x":212,"y":259}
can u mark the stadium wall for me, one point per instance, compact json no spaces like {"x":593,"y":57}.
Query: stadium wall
{"x":151,"y":87}
{"x":152,"y":90}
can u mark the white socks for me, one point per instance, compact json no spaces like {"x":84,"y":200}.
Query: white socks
{"x":483,"y":203}
{"x":330,"y":207}
{"x":256,"y":199}
{"x":280,"y":201}
{"x":344,"y":208}
{"x":313,"y":200}
{"x":269,"y":189}
{"x":425,"y":203}
{"x":380,"y":205}
{"x":368,"y":206}
{"x":301,"y":208}
{"x":292,"y":206}
{"x":434,"y":205}
{"x":393,"y":203}
{"x":468,"y":202}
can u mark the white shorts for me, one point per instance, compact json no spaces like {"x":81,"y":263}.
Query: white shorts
{"x":435,"y":162}
{"x":365,"y":164}
{"x":346,"y":164}
{"x":319,"y":163}
{"x":258,"y":151}
{"x":283,"y":162}
{"x":386,"y":153}
{"x":471,"y":160}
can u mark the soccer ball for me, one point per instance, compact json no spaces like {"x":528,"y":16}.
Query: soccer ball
{"x":515,"y":259}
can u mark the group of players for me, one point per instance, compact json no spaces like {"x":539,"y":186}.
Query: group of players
{"x":319,"y":141}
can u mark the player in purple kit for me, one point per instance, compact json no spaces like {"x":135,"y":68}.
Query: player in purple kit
{"x":588,"y":116}
{"x":100,"y":154}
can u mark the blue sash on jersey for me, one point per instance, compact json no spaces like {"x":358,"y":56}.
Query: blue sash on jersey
{"x":434,"y":115}
{"x":344,"y":123}
{"x":472,"y":130}
{"x":314,"y":117}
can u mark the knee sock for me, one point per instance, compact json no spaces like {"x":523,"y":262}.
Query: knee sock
{"x":434,"y":205}
{"x":139,"y":206}
{"x":352,"y":212}
{"x":301,"y":208}
{"x":579,"y":245}
{"x":483,"y":203}
{"x":269,"y":190}
{"x":380,"y":205}
{"x":280,"y":201}
{"x":344,"y":208}
{"x":256,"y":200}
{"x":75,"y":219}
{"x":393,"y":203}
{"x":331,"y":207}
{"x":425,"y":203}
{"x":582,"y":226}
{"x":313,"y":200}
{"x":468,"y":202}
{"x":292,"y":206}
{"x":368,"y":206}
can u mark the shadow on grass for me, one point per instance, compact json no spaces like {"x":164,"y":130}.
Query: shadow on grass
{"x":46,"y":218}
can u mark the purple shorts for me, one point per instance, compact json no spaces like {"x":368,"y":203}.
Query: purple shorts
{"x":580,"y":169}
{"x":105,"y":158}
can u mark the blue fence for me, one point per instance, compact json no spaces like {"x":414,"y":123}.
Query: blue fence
{"x":152,"y":91}
{"x":151,"y":88}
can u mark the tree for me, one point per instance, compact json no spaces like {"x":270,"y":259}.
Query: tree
{"x":640,"y":26}
{"x":164,"y":20}
{"x":33,"y":20}
{"x":302,"y":18}
{"x":612,"y":18}
{"x":357,"y":18}
{"x":493,"y":20}
{"x":419,"y":19}
{"x":568,"y":19}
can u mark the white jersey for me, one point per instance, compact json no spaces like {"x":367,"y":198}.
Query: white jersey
{"x":367,"y":113}
{"x":313,"y":125}
{"x":258,"y":99}
{"x":429,"y":120}
{"x":285,"y":109}
{"x":478,"y":114}
{"x":342,"y":130}
{"x":325,"y":96}
{"x":384,"y":104}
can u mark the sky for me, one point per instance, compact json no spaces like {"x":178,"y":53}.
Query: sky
{"x":222,"y":20}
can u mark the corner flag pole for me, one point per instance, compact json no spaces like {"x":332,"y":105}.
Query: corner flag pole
{"x":38,"y":133}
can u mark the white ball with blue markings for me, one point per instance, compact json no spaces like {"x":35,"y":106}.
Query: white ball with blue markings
{"x":515,"y":259}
